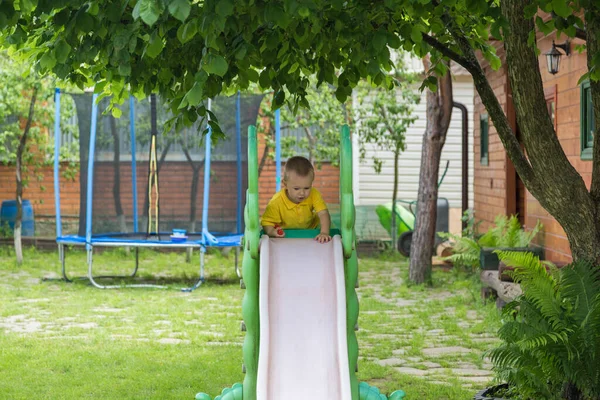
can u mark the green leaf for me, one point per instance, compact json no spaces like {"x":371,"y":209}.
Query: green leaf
{"x":116,"y":112}
{"x":121,"y":39}
{"x":562,"y":8}
{"x":125,"y":69}
{"x":495,"y":62}
{"x":293,"y":68}
{"x":379,"y":40}
{"x":215,"y":64}
{"x":48,"y":61}
{"x":147,"y":10}
{"x":393,"y":41}
{"x":252,"y":75}
{"x":303,"y":11}
{"x":155,"y":45}
{"x":279,"y":99}
{"x":224,"y":8}
{"x":264,"y":79}
{"x":194,"y":96}
{"x":187,"y":31}
{"x":340,"y":94}
{"x":583,"y":78}
{"x":94,"y":8}
{"x":416,"y":35}
{"x":61,"y":51}
{"x":180,"y":9}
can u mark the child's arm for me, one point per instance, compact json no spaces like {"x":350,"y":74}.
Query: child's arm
{"x":325,"y":221}
{"x":270,"y":221}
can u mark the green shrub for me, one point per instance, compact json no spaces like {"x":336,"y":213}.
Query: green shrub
{"x":551,"y":344}
{"x":506,"y":232}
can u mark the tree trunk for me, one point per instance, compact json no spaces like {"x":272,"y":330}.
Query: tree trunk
{"x":545,"y":171}
{"x":439,"y":112}
{"x":19,"y":172}
{"x":121,"y":223}
{"x":393,"y":225}
{"x":562,"y":186}
{"x":117,"y":175}
{"x":311,"y":144}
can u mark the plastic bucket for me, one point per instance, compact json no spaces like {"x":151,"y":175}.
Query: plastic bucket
{"x":8,"y":214}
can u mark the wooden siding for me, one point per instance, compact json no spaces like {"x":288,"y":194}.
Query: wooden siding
{"x":373,"y":188}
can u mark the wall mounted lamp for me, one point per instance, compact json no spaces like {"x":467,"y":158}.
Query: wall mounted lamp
{"x":553,"y":56}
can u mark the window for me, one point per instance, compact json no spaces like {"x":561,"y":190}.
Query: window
{"x":484,"y":138}
{"x":587,"y":123}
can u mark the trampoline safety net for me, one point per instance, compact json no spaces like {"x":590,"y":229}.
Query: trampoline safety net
{"x":121,"y":199}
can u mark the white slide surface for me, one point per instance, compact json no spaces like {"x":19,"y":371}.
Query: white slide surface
{"x":303,"y":345}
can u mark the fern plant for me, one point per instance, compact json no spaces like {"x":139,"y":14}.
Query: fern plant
{"x":551,"y":344}
{"x":506,"y":232}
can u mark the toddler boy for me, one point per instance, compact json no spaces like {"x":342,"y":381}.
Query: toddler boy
{"x":298,"y":205}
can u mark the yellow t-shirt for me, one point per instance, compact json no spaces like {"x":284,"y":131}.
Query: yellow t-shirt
{"x":289,"y":215}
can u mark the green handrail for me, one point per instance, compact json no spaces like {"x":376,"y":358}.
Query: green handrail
{"x":250,"y":271}
{"x":351,"y":261}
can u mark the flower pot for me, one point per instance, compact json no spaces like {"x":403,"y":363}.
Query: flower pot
{"x":488,"y":393}
{"x":488,"y":259}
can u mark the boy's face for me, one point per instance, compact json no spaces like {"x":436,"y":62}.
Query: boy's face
{"x":298,"y":187}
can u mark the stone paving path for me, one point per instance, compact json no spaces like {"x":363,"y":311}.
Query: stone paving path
{"x":443,"y":353}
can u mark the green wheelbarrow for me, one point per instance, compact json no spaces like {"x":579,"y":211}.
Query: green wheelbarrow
{"x":405,"y":221}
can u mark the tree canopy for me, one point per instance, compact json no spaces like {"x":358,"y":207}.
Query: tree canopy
{"x":192,"y":50}
{"x":189,"y":51}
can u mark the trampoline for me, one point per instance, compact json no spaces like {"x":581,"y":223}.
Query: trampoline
{"x":122,"y":201}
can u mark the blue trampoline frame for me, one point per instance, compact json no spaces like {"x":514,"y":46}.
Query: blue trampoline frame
{"x":201,"y":240}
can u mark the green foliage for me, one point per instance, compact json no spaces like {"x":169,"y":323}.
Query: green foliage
{"x":382,"y":119}
{"x":550,"y":333}
{"x":19,"y":84}
{"x":190,"y":51}
{"x":320,"y":124}
{"x":506,"y":232}
{"x":5,"y":230}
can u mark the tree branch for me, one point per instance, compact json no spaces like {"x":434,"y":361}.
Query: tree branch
{"x":446,"y":51}
{"x":495,"y":110}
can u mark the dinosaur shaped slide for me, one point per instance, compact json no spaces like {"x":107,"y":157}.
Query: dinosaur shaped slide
{"x":302,"y":303}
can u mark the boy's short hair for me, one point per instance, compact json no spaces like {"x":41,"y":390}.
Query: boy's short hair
{"x":300,"y":165}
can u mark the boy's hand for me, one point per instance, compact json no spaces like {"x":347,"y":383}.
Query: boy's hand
{"x":274,"y":231}
{"x":323,"y":237}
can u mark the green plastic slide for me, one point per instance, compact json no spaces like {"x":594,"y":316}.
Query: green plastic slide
{"x":265,"y":344}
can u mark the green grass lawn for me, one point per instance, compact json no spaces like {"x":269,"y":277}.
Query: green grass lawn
{"x":63,"y":340}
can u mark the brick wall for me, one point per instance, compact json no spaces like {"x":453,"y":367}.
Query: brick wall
{"x":41,"y":192}
{"x":175,"y":191}
{"x":490,"y":181}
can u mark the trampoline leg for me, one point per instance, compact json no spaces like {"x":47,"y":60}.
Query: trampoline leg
{"x":201,"y":278}
{"x":90,"y":259}
{"x":137,"y":261}
{"x":61,"y":257}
